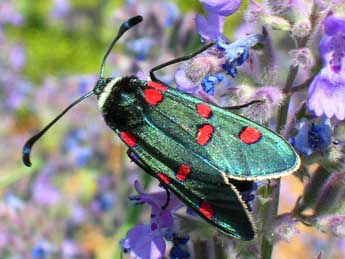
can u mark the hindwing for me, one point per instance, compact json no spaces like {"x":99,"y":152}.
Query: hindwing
{"x":210,"y":196}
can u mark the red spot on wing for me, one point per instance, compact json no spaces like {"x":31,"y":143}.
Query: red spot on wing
{"x":204,"y":110}
{"x":157,"y":86}
{"x":182,"y":172}
{"x":164,"y":178}
{"x":128,"y":138}
{"x":204,"y":134}
{"x":250,"y":135}
{"x":207,"y":210}
{"x":153,"y":96}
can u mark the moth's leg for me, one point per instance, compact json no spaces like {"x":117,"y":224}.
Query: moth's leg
{"x":139,"y":162}
{"x":245,"y":105}
{"x":167,"y":200}
{"x":147,"y":169}
{"x":176,"y":60}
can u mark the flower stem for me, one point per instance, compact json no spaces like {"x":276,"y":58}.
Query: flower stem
{"x":270,"y":213}
{"x":220,"y":250}
{"x":201,"y":249}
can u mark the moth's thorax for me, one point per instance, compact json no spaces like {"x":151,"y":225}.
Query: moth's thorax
{"x":121,"y":103}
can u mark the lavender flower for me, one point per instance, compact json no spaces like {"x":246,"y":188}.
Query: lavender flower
{"x":9,"y":14}
{"x":144,"y":242}
{"x":141,"y":47}
{"x":17,"y":57}
{"x":179,"y":249}
{"x":209,"y":82}
{"x":221,"y":7}
{"x":209,"y":28}
{"x":236,"y":53}
{"x":314,"y":137}
{"x":61,"y":8}
{"x":327,"y":91}
{"x":189,"y":77}
{"x":151,"y":245}
{"x":44,"y":192}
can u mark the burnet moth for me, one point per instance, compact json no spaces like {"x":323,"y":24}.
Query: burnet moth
{"x":204,"y":154}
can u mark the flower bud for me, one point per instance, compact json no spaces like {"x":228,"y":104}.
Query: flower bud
{"x":332,"y":224}
{"x":188,"y":78}
{"x":303,"y":58}
{"x":313,"y":189}
{"x":262,"y":112}
{"x":276,"y":22}
{"x":301,"y":29}
{"x":284,"y":227}
{"x":332,"y":194}
{"x":254,"y":12}
{"x":277,"y":7}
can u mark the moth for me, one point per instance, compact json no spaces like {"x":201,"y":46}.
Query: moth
{"x":206,"y":155}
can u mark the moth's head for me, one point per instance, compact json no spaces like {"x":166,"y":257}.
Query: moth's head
{"x":103,"y":89}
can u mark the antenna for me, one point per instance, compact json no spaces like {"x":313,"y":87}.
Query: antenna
{"x":124,"y":27}
{"x":99,"y":86}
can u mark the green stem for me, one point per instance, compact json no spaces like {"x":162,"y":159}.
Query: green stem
{"x":201,"y":250}
{"x":220,"y":250}
{"x":270,"y":213}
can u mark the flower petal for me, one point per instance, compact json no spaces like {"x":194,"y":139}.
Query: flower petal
{"x":183,"y":84}
{"x":144,"y":243}
{"x":334,"y":25}
{"x":221,"y":7}
{"x":209,"y":28}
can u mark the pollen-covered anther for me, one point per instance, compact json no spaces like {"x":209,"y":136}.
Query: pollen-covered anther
{"x":250,"y":135}
{"x":206,"y":209}
{"x":205,"y":133}
{"x":182,"y":172}
{"x":164,"y":178}
{"x":128,"y":138}
{"x":204,"y":110}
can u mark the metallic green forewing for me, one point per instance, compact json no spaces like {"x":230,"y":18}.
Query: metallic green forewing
{"x":178,"y":120}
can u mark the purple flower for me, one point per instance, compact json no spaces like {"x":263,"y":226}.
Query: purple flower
{"x":44,"y":192}
{"x":327,"y":91}
{"x":172,"y":15}
{"x":189,"y":77}
{"x":163,"y":218}
{"x":314,"y":137}
{"x":221,"y":7}
{"x":69,"y":249}
{"x":209,"y":82}
{"x":9,"y":14}
{"x":61,"y":8}
{"x":209,"y":28}
{"x":17,"y":57}
{"x":141,"y":47}
{"x":73,"y":144}
{"x":151,"y":244}
{"x":144,"y":242}
{"x":236,"y":53}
